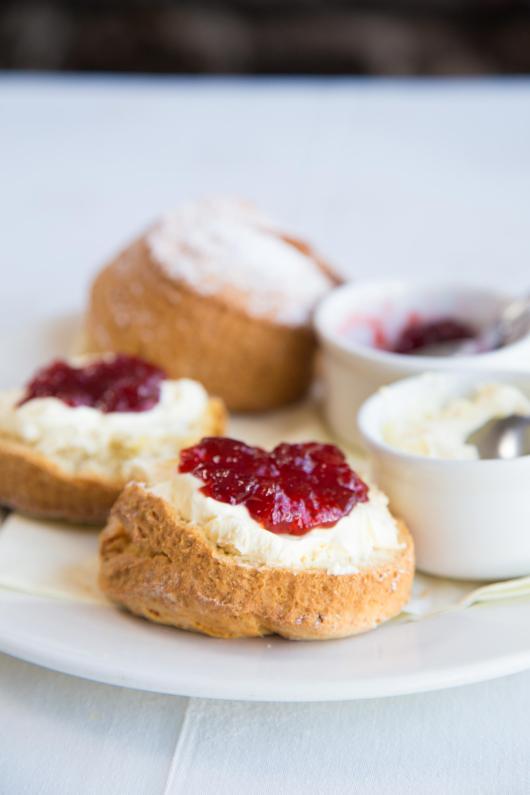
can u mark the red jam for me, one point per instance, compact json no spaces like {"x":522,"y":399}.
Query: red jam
{"x":419,"y":334}
{"x":120,"y":383}
{"x":416,"y":334}
{"x":292,"y":489}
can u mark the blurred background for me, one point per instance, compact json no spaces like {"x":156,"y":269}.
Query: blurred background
{"x":374,"y":37}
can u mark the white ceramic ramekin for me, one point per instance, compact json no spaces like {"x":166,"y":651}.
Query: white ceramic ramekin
{"x":469,"y":519}
{"x":353,"y":370}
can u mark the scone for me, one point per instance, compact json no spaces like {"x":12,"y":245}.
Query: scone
{"x":78,"y":432}
{"x":239,"y":542}
{"x":215,"y":292}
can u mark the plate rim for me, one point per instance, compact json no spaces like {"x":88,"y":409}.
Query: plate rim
{"x":18,"y":646}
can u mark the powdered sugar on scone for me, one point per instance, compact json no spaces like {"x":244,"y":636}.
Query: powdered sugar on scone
{"x":226,"y":248}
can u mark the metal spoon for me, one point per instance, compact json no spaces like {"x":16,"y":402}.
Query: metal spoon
{"x":506,"y":438}
{"x":512,"y":324}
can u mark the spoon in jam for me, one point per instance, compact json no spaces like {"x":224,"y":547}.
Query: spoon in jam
{"x":506,"y":438}
{"x":512,"y":324}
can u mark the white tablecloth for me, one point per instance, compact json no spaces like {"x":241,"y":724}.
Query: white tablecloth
{"x":389,"y":178}
{"x":62,"y":736}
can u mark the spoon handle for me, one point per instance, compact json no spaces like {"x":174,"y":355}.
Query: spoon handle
{"x":515,"y":321}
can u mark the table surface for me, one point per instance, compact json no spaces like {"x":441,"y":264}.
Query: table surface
{"x":388,"y":178}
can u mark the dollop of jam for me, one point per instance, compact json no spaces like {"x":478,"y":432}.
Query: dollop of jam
{"x":419,"y":334}
{"x":291,"y":489}
{"x":119,"y":383}
{"x":416,"y":334}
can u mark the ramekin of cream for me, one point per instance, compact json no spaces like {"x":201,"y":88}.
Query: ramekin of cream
{"x":470,"y":518}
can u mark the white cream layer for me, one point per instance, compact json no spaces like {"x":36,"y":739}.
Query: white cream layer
{"x":226,"y":247}
{"x":368,"y":535}
{"x":85,"y":440}
{"x":441,"y":431}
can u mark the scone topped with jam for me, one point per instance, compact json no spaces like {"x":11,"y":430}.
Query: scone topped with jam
{"x":238,"y":541}
{"x":79,"y":430}
{"x":217,"y":292}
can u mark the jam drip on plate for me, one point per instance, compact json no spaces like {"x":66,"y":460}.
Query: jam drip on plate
{"x":419,"y":334}
{"x":291,"y":489}
{"x":119,"y":383}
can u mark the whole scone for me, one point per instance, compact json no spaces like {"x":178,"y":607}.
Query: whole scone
{"x":177,"y":556}
{"x":215,"y":292}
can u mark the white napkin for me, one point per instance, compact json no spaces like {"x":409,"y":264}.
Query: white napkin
{"x":49,"y":559}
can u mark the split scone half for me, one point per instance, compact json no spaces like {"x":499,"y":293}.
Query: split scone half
{"x":237,"y":542}
{"x":79,"y":431}
{"x":216,"y":292}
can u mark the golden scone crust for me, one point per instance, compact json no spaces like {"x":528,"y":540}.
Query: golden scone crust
{"x":34,"y":484}
{"x":253,"y":364}
{"x":166,"y":570}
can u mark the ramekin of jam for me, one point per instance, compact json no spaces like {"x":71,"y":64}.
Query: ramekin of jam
{"x":375,"y":333}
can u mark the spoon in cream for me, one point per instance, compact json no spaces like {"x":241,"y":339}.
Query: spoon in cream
{"x":503,"y":438}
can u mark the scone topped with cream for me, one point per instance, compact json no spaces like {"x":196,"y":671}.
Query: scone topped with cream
{"x":239,"y":541}
{"x":217,"y":292}
{"x":79,"y":430}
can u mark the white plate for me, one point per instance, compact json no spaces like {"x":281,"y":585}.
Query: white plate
{"x":111,"y":646}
